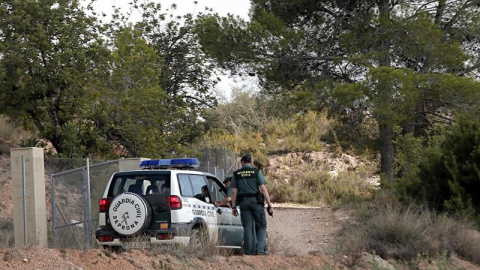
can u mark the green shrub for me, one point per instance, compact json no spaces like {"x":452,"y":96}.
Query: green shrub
{"x":447,"y":176}
{"x":281,"y":193}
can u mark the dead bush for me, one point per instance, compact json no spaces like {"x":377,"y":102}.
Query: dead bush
{"x":394,"y":231}
{"x":318,"y":187}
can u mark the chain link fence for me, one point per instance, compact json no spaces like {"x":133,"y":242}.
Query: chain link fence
{"x":219,"y":162}
{"x":74,"y":185}
{"x":73,"y":189}
{"x":6,"y":208}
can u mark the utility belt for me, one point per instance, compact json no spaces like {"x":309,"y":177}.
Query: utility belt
{"x":258,"y":195}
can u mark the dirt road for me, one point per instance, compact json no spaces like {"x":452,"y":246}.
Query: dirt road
{"x":302,"y":230}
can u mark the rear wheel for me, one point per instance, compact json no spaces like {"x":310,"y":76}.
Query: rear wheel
{"x":112,"y":249}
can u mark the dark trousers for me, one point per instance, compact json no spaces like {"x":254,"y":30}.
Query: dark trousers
{"x":254,"y":225}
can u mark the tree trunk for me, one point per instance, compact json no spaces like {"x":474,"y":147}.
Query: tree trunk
{"x":386,"y":150}
{"x":386,"y":128}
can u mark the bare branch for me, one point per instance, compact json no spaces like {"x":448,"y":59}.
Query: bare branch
{"x":469,"y":69}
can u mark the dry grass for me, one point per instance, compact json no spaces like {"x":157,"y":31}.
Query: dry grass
{"x":393,"y":231}
{"x":464,"y":241}
{"x":6,"y":233}
{"x":207,"y":248}
{"x":65,"y":238}
{"x":201,"y":246}
{"x":274,"y":246}
{"x":318,"y":187}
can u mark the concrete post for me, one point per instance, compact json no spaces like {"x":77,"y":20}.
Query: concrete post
{"x":129,"y":164}
{"x":35,"y":204}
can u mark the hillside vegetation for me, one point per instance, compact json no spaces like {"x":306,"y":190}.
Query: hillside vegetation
{"x":370,"y":106}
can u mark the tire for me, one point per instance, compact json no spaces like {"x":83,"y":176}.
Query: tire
{"x":112,"y":249}
{"x":198,"y":240}
{"x":129,"y":214}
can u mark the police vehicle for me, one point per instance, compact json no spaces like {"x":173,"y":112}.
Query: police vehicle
{"x":167,"y":201}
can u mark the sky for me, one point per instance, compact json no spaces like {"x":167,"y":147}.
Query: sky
{"x":222,"y":7}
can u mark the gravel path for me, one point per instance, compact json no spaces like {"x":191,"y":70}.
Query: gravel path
{"x":302,"y":230}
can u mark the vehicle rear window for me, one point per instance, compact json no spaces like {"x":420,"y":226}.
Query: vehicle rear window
{"x":141,"y":183}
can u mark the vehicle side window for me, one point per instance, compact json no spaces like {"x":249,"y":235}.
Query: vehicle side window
{"x":198,"y":181}
{"x":194,"y":185}
{"x":116,"y":188}
{"x":185,"y":186}
{"x":217,"y":192}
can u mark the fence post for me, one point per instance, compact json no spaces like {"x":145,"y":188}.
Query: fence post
{"x":225,"y":161}
{"x":208,"y":160}
{"x":24,"y":188}
{"x":34,"y":223}
{"x":216,"y":157}
{"x":87,"y":207}
{"x":53,"y":203}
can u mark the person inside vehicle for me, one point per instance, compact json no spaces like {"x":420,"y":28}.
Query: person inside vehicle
{"x":152,"y":189}
{"x":204,"y":195}
{"x":226,"y":201}
{"x":164,"y":189}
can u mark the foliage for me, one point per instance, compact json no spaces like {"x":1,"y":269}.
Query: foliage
{"x":298,"y":133}
{"x":50,"y":51}
{"x":7,"y":236}
{"x":130,"y":98}
{"x":103,"y":90}
{"x":154,"y":99}
{"x":447,"y":177}
{"x":393,"y":230}
{"x":251,"y":126}
{"x":376,"y":60}
{"x":185,"y":72}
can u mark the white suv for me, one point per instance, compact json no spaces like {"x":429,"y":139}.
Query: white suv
{"x":168,"y":201}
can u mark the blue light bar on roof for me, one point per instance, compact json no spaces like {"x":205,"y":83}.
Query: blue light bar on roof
{"x":178,"y":163}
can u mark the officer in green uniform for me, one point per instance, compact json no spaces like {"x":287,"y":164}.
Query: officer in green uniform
{"x":249,"y":191}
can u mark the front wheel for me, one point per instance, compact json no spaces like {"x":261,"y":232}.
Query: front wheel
{"x":199,"y":241}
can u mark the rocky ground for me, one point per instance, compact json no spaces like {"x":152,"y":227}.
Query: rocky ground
{"x":298,"y":235}
{"x":299,"y":238}
{"x":37,"y":258}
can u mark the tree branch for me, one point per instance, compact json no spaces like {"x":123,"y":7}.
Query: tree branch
{"x":469,"y":69}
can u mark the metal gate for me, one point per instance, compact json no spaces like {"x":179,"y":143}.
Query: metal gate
{"x":72,"y":191}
